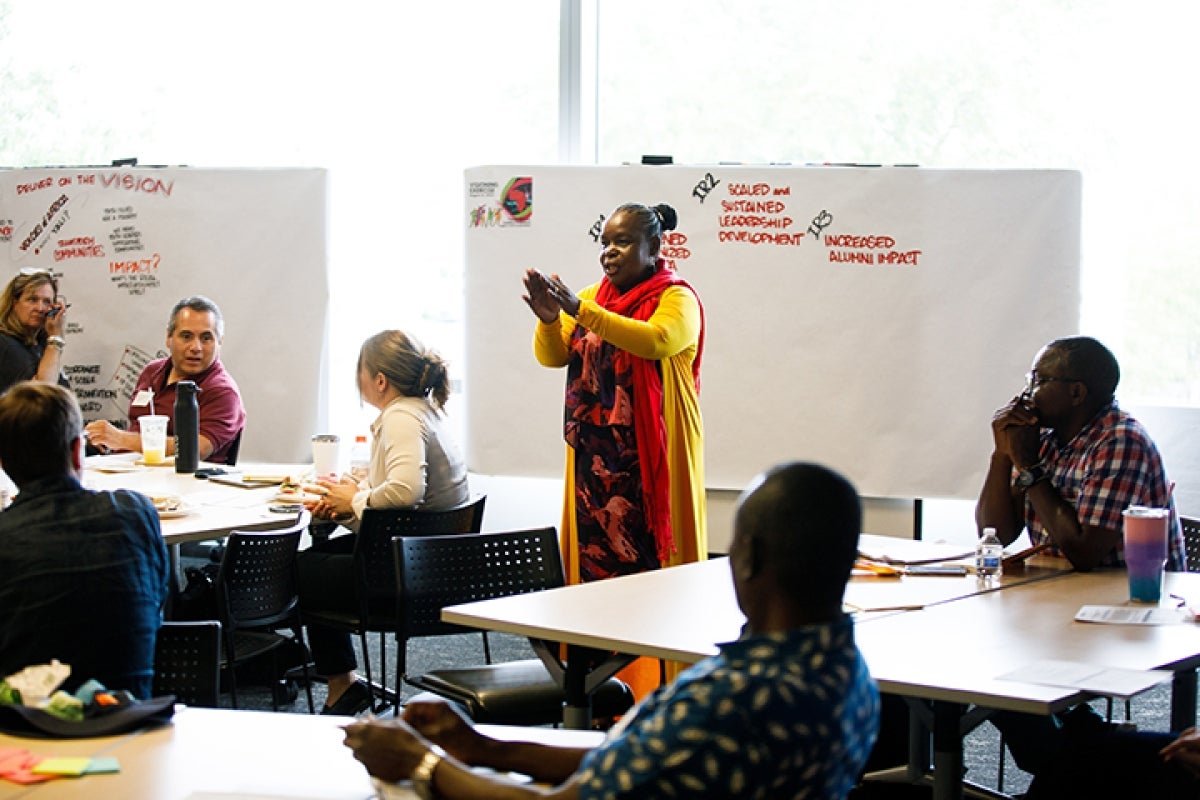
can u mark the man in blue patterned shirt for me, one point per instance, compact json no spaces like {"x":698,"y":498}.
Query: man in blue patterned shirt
{"x":787,"y":710}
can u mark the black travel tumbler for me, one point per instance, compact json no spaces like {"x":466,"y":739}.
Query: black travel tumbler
{"x":187,"y":427}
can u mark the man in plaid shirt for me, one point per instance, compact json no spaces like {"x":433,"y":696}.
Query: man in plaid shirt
{"x":1067,"y":461}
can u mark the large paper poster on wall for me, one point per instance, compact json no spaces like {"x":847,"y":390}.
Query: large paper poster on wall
{"x":127,"y":244}
{"x":869,"y":318}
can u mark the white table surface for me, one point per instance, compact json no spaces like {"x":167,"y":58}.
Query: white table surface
{"x":215,"y":509}
{"x":957,"y":651}
{"x":682,"y":613}
{"x":221,"y":753}
{"x":936,"y":655}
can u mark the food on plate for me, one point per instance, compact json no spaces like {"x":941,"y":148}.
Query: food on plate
{"x":300,"y":493}
{"x":167,"y":502}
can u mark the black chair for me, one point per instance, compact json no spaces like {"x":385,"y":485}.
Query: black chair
{"x":187,"y":662}
{"x":257,"y":596}
{"x":1191,"y":542}
{"x":375,"y":577}
{"x":439,"y":571}
{"x":231,"y":456}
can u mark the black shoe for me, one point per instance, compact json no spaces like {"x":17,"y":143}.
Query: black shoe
{"x":353,"y":701}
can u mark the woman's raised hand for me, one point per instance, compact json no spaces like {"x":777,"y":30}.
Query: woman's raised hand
{"x":539,"y":296}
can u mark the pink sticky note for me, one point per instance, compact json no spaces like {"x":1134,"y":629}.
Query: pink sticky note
{"x":16,"y":765}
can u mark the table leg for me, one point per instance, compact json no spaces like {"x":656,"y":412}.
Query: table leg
{"x":583,"y":672}
{"x":947,"y":750}
{"x":1183,"y":700}
{"x":920,"y":723}
{"x":577,"y":708}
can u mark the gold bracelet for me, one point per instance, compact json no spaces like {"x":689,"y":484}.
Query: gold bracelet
{"x":422,"y":774}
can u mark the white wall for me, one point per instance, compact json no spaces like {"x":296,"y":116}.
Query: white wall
{"x":515,"y":503}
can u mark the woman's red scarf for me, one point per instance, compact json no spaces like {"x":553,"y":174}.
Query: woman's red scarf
{"x":640,"y":302}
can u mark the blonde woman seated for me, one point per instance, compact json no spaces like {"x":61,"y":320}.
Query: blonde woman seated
{"x":414,"y":464}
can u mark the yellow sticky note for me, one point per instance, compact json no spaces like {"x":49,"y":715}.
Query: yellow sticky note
{"x":62,"y":766}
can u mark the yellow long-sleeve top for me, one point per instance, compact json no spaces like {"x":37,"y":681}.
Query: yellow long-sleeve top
{"x":671,"y":337}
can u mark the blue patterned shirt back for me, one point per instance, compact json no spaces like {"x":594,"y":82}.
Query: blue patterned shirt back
{"x":773,"y":716}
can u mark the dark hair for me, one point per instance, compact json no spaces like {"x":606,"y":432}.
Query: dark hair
{"x":807,"y":519}
{"x":1091,"y":363}
{"x":26,"y":279}
{"x":200,"y":303}
{"x":404,"y":361}
{"x":652,"y":220}
{"x":38,"y":422}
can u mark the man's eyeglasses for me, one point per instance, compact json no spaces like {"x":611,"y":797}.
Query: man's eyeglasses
{"x":1033,"y":381}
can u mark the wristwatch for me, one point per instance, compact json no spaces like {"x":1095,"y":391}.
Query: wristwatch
{"x":1028,"y":477}
{"x":422,"y":774}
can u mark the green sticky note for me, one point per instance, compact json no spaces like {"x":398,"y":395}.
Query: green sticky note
{"x":62,"y":766}
{"x":102,"y":765}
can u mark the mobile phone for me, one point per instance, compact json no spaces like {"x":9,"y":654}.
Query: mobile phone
{"x":208,"y":472}
{"x":286,"y":508}
{"x":936,"y":569}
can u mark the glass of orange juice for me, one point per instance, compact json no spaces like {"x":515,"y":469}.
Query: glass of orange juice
{"x":154,"y":438}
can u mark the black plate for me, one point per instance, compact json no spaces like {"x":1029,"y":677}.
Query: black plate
{"x":24,"y":721}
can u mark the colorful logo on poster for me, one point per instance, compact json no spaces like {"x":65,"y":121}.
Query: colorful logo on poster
{"x":517,"y":199}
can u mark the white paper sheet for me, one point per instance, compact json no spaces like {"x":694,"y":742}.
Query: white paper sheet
{"x":1089,"y":677}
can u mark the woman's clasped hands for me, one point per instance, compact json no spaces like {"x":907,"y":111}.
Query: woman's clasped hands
{"x":335,"y":502}
{"x":547,"y":296}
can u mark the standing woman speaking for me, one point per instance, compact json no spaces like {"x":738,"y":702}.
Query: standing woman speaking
{"x":632,"y":345}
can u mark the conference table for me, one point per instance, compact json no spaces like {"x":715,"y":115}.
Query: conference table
{"x":941,"y":643}
{"x":207,"y":753}
{"x":209,"y":509}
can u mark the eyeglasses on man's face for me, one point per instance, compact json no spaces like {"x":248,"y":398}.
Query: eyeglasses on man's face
{"x":1033,"y":381}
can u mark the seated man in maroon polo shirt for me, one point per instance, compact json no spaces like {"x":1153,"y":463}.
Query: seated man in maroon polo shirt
{"x":194,"y":334}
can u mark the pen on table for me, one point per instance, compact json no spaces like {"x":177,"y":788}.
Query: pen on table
{"x":912,"y":607}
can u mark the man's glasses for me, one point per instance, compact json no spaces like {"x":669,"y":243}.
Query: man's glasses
{"x":1033,"y":381}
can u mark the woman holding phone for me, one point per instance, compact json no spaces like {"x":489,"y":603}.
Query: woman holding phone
{"x":32,"y":321}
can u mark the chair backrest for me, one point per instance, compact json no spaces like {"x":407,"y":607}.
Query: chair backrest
{"x":187,"y":662}
{"x":231,"y":455}
{"x":373,"y":547}
{"x":1191,"y":542}
{"x":256,"y":584}
{"x":440,"y":571}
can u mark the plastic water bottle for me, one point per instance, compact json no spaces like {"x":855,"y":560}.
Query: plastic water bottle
{"x":989,"y":553}
{"x":360,"y":458}
{"x":187,"y":427}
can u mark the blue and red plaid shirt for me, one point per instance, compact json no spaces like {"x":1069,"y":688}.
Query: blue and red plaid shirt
{"x":1108,"y":466}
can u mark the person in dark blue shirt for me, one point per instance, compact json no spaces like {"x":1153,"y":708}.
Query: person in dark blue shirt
{"x":788,"y":710}
{"x":85,"y":573}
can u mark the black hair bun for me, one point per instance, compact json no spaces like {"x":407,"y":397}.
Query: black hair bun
{"x":667,"y":216}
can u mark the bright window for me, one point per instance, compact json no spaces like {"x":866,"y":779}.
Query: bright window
{"x":1101,"y":87}
{"x":395,"y":99}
